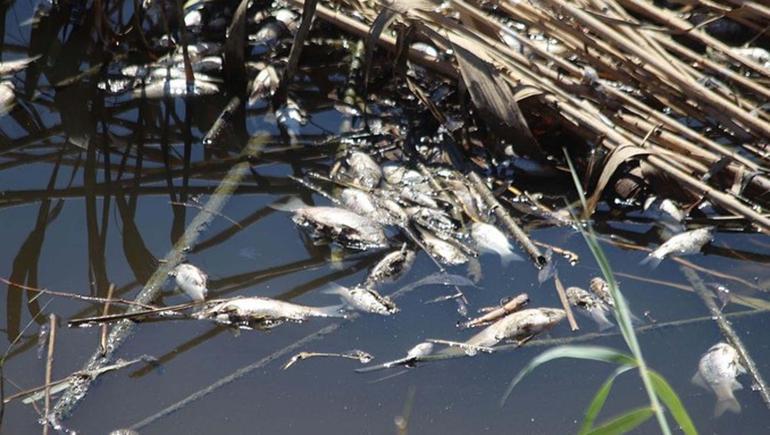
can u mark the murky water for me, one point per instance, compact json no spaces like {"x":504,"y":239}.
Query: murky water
{"x":76,"y":221}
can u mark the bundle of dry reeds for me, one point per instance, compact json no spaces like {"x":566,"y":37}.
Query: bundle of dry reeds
{"x":625,"y":75}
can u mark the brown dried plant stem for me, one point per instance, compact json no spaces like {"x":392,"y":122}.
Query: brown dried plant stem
{"x":48,"y":371}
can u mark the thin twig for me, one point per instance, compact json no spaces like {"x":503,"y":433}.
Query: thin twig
{"x":74,"y":296}
{"x":48,"y":371}
{"x":106,"y":311}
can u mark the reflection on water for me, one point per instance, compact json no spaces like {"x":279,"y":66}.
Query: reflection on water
{"x":94,"y":189}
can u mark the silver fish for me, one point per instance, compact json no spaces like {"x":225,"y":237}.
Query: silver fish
{"x":717,"y":371}
{"x":421,"y":350}
{"x":13,"y":66}
{"x":591,"y":306}
{"x":516,"y":326}
{"x":191,"y":280}
{"x":263,"y":312}
{"x":349,"y":229}
{"x":438,"y":222}
{"x":445,"y":252}
{"x":364,"y":299}
{"x":687,"y":243}
{"x":601,"y":289}
{"x":490,"y":239}
{"x":365,"y":204}
{"x":7,"y":96}
{"x":392,"y":266}
{"x":364,"y":171}
{"x":175,"y":87}
{"x":399,"y":175}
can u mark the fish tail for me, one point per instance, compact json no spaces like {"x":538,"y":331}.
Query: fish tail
{"x":727,"y":403}
{"x":651,"y":260}
{"x":507,"y":258}
{"x":331,"y":311}
{"x":333,"y":289}
{"x":293,"y":204}
{"x":604,"y":324}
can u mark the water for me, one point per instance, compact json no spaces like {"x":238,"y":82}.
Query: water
{"x":97,"y":233}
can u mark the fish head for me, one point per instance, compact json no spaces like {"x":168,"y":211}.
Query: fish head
{"x":554,"y":315}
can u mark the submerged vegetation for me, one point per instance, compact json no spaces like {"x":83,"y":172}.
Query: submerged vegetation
{"x":413,"y":144}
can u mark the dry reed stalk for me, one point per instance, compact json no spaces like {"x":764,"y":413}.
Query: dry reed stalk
{"x":48,"y":371}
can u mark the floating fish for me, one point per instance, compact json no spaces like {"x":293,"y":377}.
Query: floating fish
{"x":13,"y":66}
{"x":439,"y":278}
{"x":191,"y":280}
{"x":445,"y":252}
{"x":175,"y":87}
{"x":363,"y":170}
{"x":516,"y":326}
{"x":717,"y":371}
{"x":687,"y":243}
{"x":434,"y":220}
{"x":399,"y":175}
{"x":263,"y":312}
{"x":490,"y":239}
{"x":366,"y":204}
{"x":392,"y":266}
{"x":7,"y":96}
{"x":343,"y":226}
{"x":591,"y":306}
{"x":363,"y":298}
{"x":601,"y":289}
{"x":421,"y":350}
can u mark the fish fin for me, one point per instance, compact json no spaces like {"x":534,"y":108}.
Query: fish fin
{"x":507,"y":258}
{"x":727,"y":403}
{"x":698,"y":380}
{"x":736,"y":385}
{"x":332,"y":311}
{"x":604,"y":324}
{"x":651,"y":260}
{"x":293,"y":204}
{"x":333,"y":289}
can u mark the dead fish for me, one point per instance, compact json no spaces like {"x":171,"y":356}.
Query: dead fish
{"x":717,"y":371}
{"x":392,"y":266}
{"x":421,"y":350}
{"x":490,"y":239}
{"x":601,"y":289}
{"x":363,"y":170}
{"x":445,"y":252}
{"x":13,"y":66}
{"x":365,"y":204}
{"x":363,"y":298}
{"x":399,"y":175}
{"x":191,"y":280}
{"x":516,"y":326}
{"x":434,"y":220}
{"x":687,"y":243}
{"x":439,"y":278}
{"x":264,"y":84}
{"x":263,"y":311}
{"x":591,"y":306}
{"x":664,"y":212}
{"x":7,"y":96}
{"x":175,"y":87}
{"x":343,"y":226}
{"x":494,"y":313}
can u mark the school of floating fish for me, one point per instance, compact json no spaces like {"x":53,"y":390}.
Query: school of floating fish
{"x":371,"y":203}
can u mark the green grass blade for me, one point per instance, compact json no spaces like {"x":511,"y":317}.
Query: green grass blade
{"x":599,"y":399}
{"x":624,"y":423}
{"x":669,"y":397}
{"x":595,"y":353}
